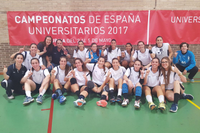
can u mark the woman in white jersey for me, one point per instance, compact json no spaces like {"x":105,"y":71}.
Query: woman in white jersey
{"x":60,"y":80}
{"x":162,"y":49}
{"x":28,"y":55}
{"x":133,"y":80}
{"x":126,"y":55}
{"x":170,"y":83}
{"x":81,"y":51}
{"x":152,"y":85}
{"x":111,"y":52}
{"x":35,"y":80}
{"x":143,"y":55}
{"x":115,"y":79}
{"x":78,"y":82}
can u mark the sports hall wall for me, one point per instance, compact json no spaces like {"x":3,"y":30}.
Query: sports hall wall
{"x":85,"y":5}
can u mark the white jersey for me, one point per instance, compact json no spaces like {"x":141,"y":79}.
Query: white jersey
{"x":81,"y":54}
{"x":113,"y":54}
{"x":60,"y":75}
{"x":127,"y":56}
{"x":173,"y":77}
{"x":28,"y":57}
{"x":162,"y":51}
{"x":144,"y":57}
{"x":153,"y":78}
{"x":98,"y":75}
{"x":80,"y":77}
{"x":117,"y":74}
{"x":38,"y":76}
{"x":133,"y":75}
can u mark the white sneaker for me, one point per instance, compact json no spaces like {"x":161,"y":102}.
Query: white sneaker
{"x":137,"y":104}
{"x":125,"y":102}
{"x":79,"y":102}
{"x":11,"y":97}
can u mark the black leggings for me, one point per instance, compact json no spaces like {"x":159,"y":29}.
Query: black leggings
{"x":192,"y":72}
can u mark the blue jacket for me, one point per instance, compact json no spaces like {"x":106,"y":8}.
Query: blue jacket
{"x":95,"y":56}
{"x":186,"y":60}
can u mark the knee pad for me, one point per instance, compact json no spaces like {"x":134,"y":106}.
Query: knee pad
{"x":86,"y":89}
{"x":73,"y":81}
{"x":138,"y":91}
{"x":90,"y":85}
{"x":124,"y":88}
{"x":6,"y":83}
{"x":106,"y":88}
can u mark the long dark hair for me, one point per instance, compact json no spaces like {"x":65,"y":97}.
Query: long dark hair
{"x":97,"y":48}
{"x":67,"y":68}
{"x":104,"y":68}
{"x":78,"y":44}
{"x":140,"y":67}
{"x":110,"y":48}
{"x":157,"y":38}
{"x":83,"y":66}
{"x":168,"y":71}
{"x":50,"y":47}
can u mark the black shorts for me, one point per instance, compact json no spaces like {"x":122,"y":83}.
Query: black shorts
{"x":97,"y":85}
{"x":38,"y":87}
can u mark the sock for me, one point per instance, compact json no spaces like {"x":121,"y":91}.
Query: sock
{"x":176,"y":98}
{"x":161,"y":98}
{"x":59,"y":92}
{"x":77,"y":93}
{"x":137,"y":98}
{"x":28,"y":93}
{"x":111,"y":89}
{"x":149,"y":98}
{"x":125,"y":95}
{"x":43,"y":91}
{"x":119,"y":92}
{"x":111,"y":93}
{"x":64,"y":90}
{"x":81,"y":97}
{"x":103,"y":97}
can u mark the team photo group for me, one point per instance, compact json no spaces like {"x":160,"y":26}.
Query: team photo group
{"x":115,"y":75}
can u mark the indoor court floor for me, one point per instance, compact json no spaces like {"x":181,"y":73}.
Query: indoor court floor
{"x":51,"y":117}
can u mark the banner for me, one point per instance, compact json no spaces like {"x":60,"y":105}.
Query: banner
{"x":99,"y":27}
{"x":103,"y":26}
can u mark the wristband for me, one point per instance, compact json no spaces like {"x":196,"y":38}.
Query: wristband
{"x":150,"y":51}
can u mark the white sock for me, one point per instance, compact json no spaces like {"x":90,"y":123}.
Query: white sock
{"x":28,"y":93}
{"x":43,"y":91}
{"x":149,"y":98}
{"x":161,"y":98}
{"x":111,"y":89}
{"x":119,"y":92}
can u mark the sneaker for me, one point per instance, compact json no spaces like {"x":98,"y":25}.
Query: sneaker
{"x":174,"y":108}
{"x":162,"y":106}
{"x":61,"y":99}
{"x":28,"y":100}
{"x":192,"y":80}
{"x":11,"y":97}
{"x":137,"y":104}
{"x":79,"y":102}
{"x":119,"y":99}
{"x":39,"y":99}
{"x":101,"y":103}
{"x":187,"y":96}
{"x":125,"y":102}
{"x":112,"y":100}
{"x":151,"y":105}
{"x":54,"y":96}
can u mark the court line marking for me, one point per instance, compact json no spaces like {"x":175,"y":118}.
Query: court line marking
{"x":45,"y":109}
{"x":51,"y":115}
{"x":193,"y":104}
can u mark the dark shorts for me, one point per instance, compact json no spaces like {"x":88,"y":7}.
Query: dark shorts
{"x":38,"y":87}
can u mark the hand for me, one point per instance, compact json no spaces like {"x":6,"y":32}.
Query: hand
{"x":150,"y":47}
{"x":147,"y":72}
{"x":123,"y":54}
{"x":108,"y":73}
{"x":175,"y":54}
{"x":91,"y":54}
{"x":45,"y":49}
{"x":184,"y":72}
{"x":132,"y":52}
{"x":53,"y":71}
{"x":145,"y":67}
{"x":142,"y":72}
{"x":43,"y":67}
{"x":73,"y":72}
{"x":5,"y":69}
{"x":85,"y":76}
{"x":49,"y":64}
{"x":30,"y":73}
{"x":21,"y":49}
{"x":103,"y":47}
